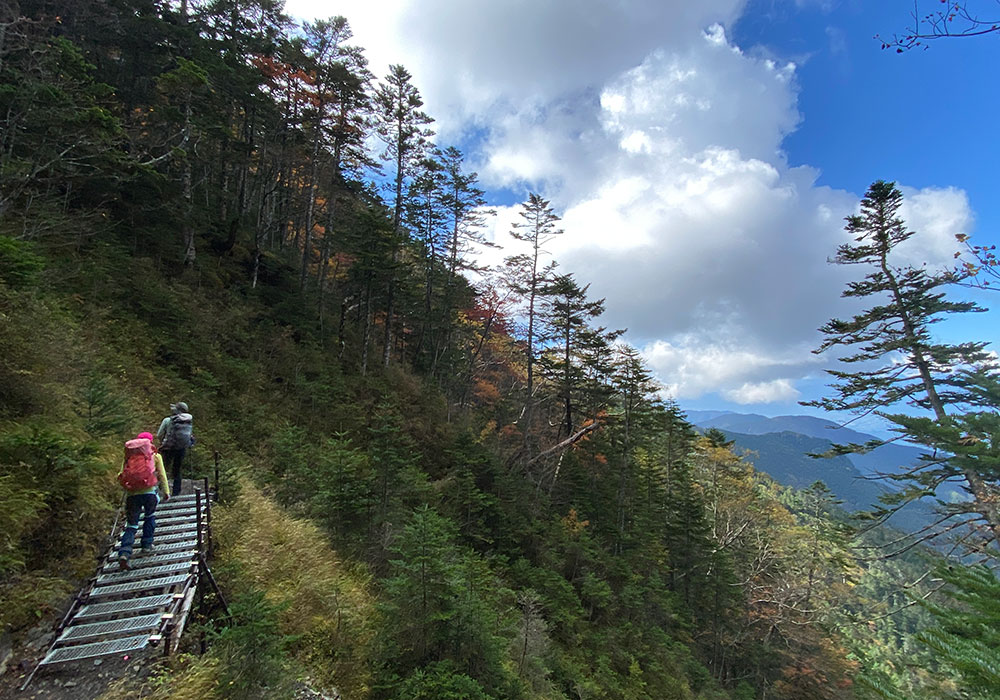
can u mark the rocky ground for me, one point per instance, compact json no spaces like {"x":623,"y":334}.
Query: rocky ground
{"x":81,"y":680}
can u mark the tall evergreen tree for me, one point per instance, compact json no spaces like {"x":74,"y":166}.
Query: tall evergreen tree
{"x":899,"y":361}
{"x":426,"y":216}
{"x":529,"y":277}
{"x":967,"y":637}
{"x":325,"y":50}
{"x":634,"y":388}
{"x":401,"y":124}
{"x":465,"y":204}
{"x":568,"y":317}
{"x":57,"y":134}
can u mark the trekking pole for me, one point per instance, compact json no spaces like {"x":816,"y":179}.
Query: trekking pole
{"x":114,"y":528}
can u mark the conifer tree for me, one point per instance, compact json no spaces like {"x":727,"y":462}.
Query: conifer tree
{"x":568,"y":315}
{"x":899,"y":363}
{"x":465,"y":204}
{"x":401,"y":124}
{"x":324,"y":49}
{"x":57,"y":133}
{"x":827,"y":539}
{"x":633,"y":387}
{"x":967,"y":636}
{"x":686,"y":534}
{"x":245,"y":35}
{"x":529,"y":277}
{"x":425,"y":214}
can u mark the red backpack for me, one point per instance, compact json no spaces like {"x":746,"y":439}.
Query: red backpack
{"x":139,"y":471}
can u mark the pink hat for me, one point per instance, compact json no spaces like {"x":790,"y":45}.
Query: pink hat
{"x":147,"y":436}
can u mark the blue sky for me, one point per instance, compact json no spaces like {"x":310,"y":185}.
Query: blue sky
{"x":703,"y":156}
{"x":926,"y":117}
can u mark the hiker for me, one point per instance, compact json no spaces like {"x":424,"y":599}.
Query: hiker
{"x":175,"y":437}
{"x":142,"y":472}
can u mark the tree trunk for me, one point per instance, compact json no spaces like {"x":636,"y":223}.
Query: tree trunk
{"x":310,"y":209}
{"x":986,"y":499}
{"x":187,"y":228}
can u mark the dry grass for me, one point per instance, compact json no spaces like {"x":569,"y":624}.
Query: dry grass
{"x":192,"y":678}
{"x":324,"y":601}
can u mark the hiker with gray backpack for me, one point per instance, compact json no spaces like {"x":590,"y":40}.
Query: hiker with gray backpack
{"x":175,"y":436}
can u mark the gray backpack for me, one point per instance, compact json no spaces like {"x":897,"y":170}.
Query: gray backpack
{"x":179,"y":433}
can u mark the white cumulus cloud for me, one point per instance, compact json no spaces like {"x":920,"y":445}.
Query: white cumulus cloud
{"x":660,"y":142}
{"x":763,"y":392}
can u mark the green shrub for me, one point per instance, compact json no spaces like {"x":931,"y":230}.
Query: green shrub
{"x":440,"y":681}
{"x":26,"y":598}
{"x":55,"y":502}
{"x":252,"y":651}
{"x":20,"y":266}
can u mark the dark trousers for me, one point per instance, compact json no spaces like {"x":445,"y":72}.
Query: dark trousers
{"x":136,"y":506}
{"x":172,"y":460}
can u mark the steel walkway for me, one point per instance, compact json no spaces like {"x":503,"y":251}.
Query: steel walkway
{"x":124,"y":612}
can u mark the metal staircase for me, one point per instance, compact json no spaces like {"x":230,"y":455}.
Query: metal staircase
{"x":124,"y":612}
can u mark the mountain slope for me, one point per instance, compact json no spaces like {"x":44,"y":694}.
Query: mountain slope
{"x":889,"y":459}
{"x":785,"y":457}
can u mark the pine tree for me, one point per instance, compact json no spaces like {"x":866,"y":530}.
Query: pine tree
{"x":967,"y":636}
{"x":58,"y":136}
{"x":900,"y":363}
{"x":426,"y":216}
{"x":633,"y":386}
{"x":687,"y":534}
{"x":529,"y":278}
{"x":465,"y":203}
{"x":402,"y":126}
{"x":323,"y":48}
{"x":568,"y":314}
{"x":424,"y":568}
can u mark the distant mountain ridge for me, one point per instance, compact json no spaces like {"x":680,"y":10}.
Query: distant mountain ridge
{"x":891,"y":458}
{"x":780,"y":447}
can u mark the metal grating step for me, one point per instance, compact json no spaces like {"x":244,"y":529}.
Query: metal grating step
{"x":141,"y":573}
{"x":172,"y":544}
{"x":187,"y":498}
{"x":139,"y":562}
{"x":118,"y":607}
{"x":185,"y":512}
{"x":114,"y":628}
{"x":174,"y":504}
{"x":169,"y":525}
{"x":171,"y":529}
{"x":169,"y":538}
{"x":90,"y":651}
{"x":179,"y":519}
{"x":148,"y":584}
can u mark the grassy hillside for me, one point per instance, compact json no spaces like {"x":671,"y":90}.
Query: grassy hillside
{"x":93,"y":352}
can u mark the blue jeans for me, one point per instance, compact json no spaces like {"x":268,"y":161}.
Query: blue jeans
{"x":134,"y":507}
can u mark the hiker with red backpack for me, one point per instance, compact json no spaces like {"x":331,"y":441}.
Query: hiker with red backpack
{"x":142,"y":472}
{"x":175,"y":436}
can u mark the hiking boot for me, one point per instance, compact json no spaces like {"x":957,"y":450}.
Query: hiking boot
{"x":147,"y":551}
{"x":123,"y":563}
